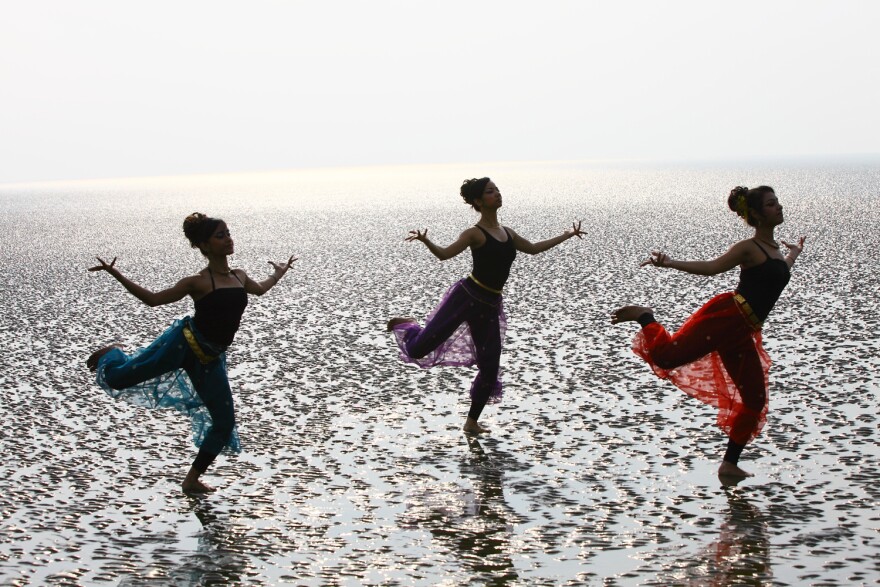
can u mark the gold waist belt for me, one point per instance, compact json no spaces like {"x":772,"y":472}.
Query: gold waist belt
{"x":201,"y":355}
{"x":486,"y":287}
{"x":747,"y":311}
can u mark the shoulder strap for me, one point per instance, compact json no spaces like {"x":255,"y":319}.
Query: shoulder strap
{"x":760,"y":247}
{"x":211,"y":273}
{"x":236,"y":276}
{"x":483,"y":230}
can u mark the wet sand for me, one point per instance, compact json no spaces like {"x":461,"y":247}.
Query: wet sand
{"x":355,"y":470}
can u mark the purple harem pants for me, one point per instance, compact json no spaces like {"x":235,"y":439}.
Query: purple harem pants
{"x":467,"y":328}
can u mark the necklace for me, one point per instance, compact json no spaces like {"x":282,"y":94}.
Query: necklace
{"x":497,"y":225}
{"x":227,"y":272}
{"x":773,"y":244}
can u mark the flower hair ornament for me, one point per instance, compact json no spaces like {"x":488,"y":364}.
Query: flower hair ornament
{"x":742,"y":206}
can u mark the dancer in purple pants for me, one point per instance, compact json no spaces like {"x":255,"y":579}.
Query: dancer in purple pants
{"x":468,"y":326}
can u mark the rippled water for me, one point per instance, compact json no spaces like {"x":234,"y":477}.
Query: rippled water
{"x":355,"y":470}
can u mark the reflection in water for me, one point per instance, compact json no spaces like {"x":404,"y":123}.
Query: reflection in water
{"x":741,"y":553}
{"x":217,"y":560}
{"x":473,"y":522}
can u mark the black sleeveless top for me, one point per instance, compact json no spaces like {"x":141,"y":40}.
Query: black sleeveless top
{"x":492,"y":261}
{"x":762,"y":284}
{"x":218,"y":314}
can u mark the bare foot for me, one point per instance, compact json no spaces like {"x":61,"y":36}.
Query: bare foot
{"x":196,"y":486}
{"x":397,"y":321}
{"x":471,"y":426}
{"x":730,"y":470}
{"x":629,"y":314}
{"x":92,"y":361}
{"x":191,"y":483}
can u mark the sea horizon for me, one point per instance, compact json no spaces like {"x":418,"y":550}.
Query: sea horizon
{"x":758,"y":161}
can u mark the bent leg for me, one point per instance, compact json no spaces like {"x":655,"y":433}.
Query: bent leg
{"x":685,"y":346}
{"x":448,"y":317}
{"x":706,"y":330}
{"x":120,"y":371}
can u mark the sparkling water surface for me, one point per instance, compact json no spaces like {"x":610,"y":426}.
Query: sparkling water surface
{"x":355,"y":470}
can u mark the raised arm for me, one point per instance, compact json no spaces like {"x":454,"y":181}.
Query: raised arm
{"x":258,"y":288}
{"x":739,"y":254}
{"x":466,"y":239}
{"x":531,"y":248}
{"x":177,"y":292}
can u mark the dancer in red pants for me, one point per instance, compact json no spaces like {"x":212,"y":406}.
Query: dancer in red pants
{"x":717,"y":355}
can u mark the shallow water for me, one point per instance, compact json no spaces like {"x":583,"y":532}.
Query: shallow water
{"x":355,"y":470}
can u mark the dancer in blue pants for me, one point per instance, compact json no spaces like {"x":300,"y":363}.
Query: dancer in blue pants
{"x":185,"y":368}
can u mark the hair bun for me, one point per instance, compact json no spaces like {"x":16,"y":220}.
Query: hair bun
{"x":197,"y":227}
{"x":471,"y":189}
{"x":194,"y":217}
{"x":736,"y":201}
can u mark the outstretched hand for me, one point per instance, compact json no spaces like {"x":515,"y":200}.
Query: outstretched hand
{"x":283,"y":267}
{"x":657,"y":259}
{"x":105,"y":266}
{"x":417,"y":235}
{"x":576,"y":230}
{"x":795,"y":248}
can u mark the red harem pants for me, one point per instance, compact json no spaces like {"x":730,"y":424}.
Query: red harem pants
{"x":716,"y":357}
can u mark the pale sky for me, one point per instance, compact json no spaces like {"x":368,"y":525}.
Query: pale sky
{"x":94,"y":89}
